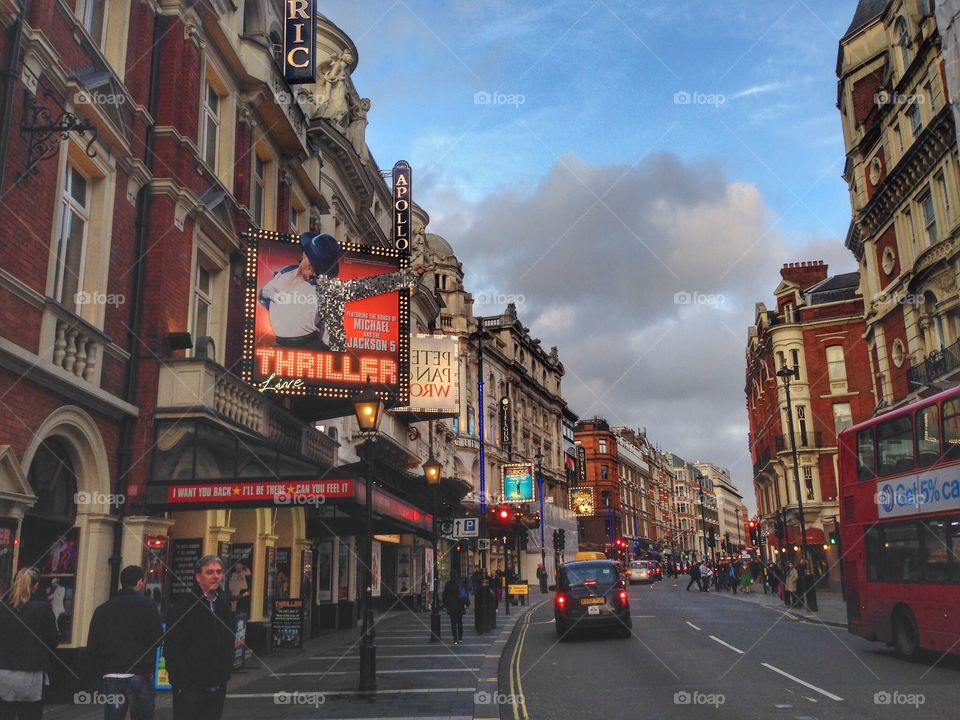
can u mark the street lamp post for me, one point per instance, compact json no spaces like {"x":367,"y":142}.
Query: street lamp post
{"x":431,"y":470}
{"x":369,"y":411}
{"x":543,"y":550}
{"x":703,"y":516}
{"x":786,"y":373}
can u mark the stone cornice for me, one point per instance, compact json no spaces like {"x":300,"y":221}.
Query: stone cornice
{"x":934,"y":142}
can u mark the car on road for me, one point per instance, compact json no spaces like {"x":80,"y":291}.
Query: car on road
{"x":591,"y":594}
{"x":641,"y":572}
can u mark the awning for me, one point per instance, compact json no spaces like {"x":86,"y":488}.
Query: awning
{"x":814,"y":535}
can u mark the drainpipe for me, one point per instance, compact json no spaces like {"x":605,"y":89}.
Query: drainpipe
{"x":10,"y":84}
{"x":134,"y":322}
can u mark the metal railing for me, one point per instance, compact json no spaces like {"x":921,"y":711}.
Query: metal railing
{"x":935,"y":365}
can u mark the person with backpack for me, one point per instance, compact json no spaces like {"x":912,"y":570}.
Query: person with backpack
{"x":28,"y":637}
{"x":456,"y":599}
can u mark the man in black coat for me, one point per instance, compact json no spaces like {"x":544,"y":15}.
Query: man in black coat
{"x":199,"y":645}
{"x":121,"y":647}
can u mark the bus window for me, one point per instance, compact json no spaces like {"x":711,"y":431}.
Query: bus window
{"x":901,"y":552}
{"x":865,"y":461}
{"x":928,"y":436}
{"x":873,"y":541}
{"x":951,"y":429}
{"x":936,"y":564}
{"x":895,"y":445}
{"x":953,"y":546}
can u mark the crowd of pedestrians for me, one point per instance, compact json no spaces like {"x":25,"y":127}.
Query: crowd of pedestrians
{"x":792,"y":583}
{"x":119,"y":657}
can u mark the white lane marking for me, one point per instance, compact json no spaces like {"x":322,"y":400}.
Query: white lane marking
{"x":803,"y":682}
{"x":692,"y":625}
{"x":736,"y":650}
{"x":643,"y":616}
{"x":420,"y":645}
{"x":381,"y":655}
{"x":813,"y":700}
{"x":379,"y":672}
{"x":328,"y":693}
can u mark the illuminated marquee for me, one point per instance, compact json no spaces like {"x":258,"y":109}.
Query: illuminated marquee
{"x":582,"y":500}
{"x":293,"y":345}
{"x":434,"y":376}
{"x":299,"y":52}
{"x":402,"y":197}
{"x":517,"y":483}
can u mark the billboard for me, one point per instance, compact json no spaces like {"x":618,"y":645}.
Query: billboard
{"x":517,"y":483}
{"x":582,"y":500}
{"x":322,"y":317}
{"x":434,"y":376}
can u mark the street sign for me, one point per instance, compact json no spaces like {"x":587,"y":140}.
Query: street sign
{"x":483,"y":544}
{"x":518,"y":589}
{"x":455,"y":528}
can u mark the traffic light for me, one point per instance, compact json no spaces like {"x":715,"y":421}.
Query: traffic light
{"x":723,"y":544}
{"x":556,"y":539}
{"x":563,"y":540}
{"x":501,"y":516}
{"x":833,"y":538}
{"x":711,"y":540}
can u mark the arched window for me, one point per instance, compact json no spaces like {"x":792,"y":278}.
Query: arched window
{"x":904,"y":42}
{"x":54,"y":482}
{"x":276,"y":47}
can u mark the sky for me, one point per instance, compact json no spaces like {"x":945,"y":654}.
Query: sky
{"x":632,"y":174}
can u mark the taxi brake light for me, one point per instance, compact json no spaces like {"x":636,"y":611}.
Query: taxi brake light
{"x":590,"y":583}
{"x":624,"y":599}
{"x":561,"y":601}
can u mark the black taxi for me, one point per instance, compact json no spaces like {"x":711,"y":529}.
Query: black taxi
{"x":591,"y":594}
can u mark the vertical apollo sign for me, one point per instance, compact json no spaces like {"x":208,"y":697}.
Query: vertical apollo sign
{"x":300,"y":47}
{"x":402,"y":197}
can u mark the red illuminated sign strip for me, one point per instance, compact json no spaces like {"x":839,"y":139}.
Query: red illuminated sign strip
{"x":267,"y":492}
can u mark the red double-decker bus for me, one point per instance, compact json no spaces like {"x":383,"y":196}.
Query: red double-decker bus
{"x":900,"y":525}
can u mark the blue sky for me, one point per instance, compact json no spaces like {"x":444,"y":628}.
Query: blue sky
{"x":629,"y":154}
{"x":599,"y":80}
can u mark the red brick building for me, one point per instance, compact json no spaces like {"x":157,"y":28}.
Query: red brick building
{"x":121,"y":298}
{"x":816,"y":330}
{"x":600,"y":529}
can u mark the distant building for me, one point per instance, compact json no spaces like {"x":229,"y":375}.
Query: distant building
{"x":816,"y":330}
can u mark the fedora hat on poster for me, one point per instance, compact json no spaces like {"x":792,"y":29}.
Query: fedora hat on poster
{"x":323,"y":251}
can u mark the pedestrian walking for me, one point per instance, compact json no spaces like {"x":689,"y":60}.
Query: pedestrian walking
{"x":734,"y":578}
{"x":723,"y":576}
{"x":746,"y":578}
{"x":775,"y":578}
{"x":199,"y":645}
{"x":121,"y":645}
{"x":705,"y":574}
{"x":28,"y":636}
{"x":790,"y":586}
{"x":694,"y":571}
{"x":456,"y":599}
{"x":542,"y":577}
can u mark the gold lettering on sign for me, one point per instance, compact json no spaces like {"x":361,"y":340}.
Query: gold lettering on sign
{"x":297,"y":9}
{"x":292,"y":63}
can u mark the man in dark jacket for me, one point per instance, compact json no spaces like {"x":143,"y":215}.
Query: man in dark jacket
{"x":456,"y":599}
{"x":121,"y":647}
{"x":694,"y":574}
{"x":199,"y":645}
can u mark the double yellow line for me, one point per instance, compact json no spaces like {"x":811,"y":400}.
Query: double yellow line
{"x":516,"y":679}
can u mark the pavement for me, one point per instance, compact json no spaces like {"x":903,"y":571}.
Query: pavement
{"x":416,"y":678}
{"x":831,"y":608}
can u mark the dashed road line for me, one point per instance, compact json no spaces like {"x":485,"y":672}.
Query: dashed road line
{"x":803,"y":682}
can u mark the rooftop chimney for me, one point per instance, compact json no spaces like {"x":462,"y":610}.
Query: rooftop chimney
{"x":804,"y":274}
